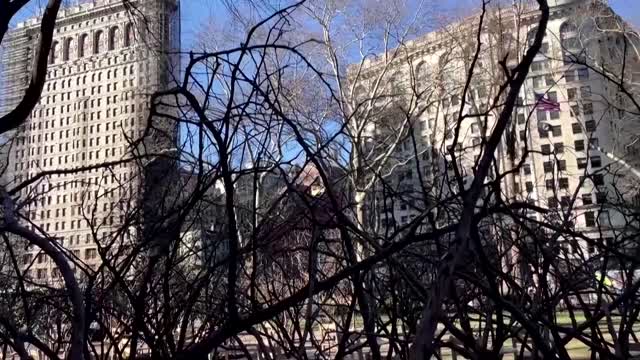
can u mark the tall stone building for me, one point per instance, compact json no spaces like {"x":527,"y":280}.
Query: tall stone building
{"x":576,"y":128}
{"x":105,"y":62}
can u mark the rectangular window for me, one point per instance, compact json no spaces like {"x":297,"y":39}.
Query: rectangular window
{"x":583,"y":74}
{"x":529,"y":186}
{"x":562,"y":165}
{"x":521,"y":118}
{"x":523,"y":135}
{"x":589,"y":219}
{"x":598,"y":179}
{"x":565,"y":201}
{"x":587,"y":199}
{"x":541,"y":115}
{"x":556,"y":130}
{"x":582,"y":163}
{"x":552,"y":202}
{"x":570,"y":76}
{"x":585,"y":91}
{"x":547,"y":166}
{"x":544,"y":48}
{"x":579,"y":145}
{"x":545,"y":149}
{"x":575,"y":110}
{"x":576,"y":128}
{"x":601,"y":198}
{"x":596,"y":162}
{"x":559,"y":148}
{"x":593,"y":142}
{"x":554,"y":115}
{"x":563,"y":183}
{"x":526,"y":169}
{"x":549,"y":184}
{"x":548,"y":79}
{"x":537,"y":81}
{"x":543,"y":130}
{"x":590,"y":125}
{"x":572,"y":94}
{"x":587,"y":108}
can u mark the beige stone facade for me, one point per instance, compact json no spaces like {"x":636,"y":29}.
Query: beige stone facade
{"x":562,"y":143}
{"x":102,"y":68}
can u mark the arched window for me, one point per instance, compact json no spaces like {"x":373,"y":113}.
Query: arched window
{"x":114,"y":35}
{"x":83,"y":44}
{"x":128,"y":35}
{"x":68,"y":44}
{"x":53,"y":54}
{"x":421,"y":70}
{"x":97,"y":42}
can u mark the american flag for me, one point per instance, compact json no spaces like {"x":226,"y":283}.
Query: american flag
{"x":546,"y":104}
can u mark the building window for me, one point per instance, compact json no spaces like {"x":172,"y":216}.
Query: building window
{"x":572,"y":94}
{"x":549,"y":184}
{"x":547,"y":166}
{"x":587,"y":108}
{"x":585,"y":91}
{"x":598,"y":179}
{"x":68,"y":45}
{"x":587,"y":199}
{"x":556,"y":130}
{"x":128,"y":35}
{"x":596,"y":161}
{"x":523,"y":135}
{"x":563,"y":183}
{"x":589,"y":219}
{"x":82,"y":45}
{"x":579,"y":145}
{"x":545,"y":149}
{"x":559,"y":148}
{"x":562,"y":165}
{"x":582,"y":163}
{"x":570,"y":76}
{"x":529,"y":186}
{"x":541,"y":115}
{"x":601,"y":197}
{"x":537,"y":81}
{"x":114,"y":35}
{"x":590,"y":125}
{"x":97,"y":42}
{"x":575,"y":111}
{"x":552,"y":202}
{"x":53,"y":55}
{"x":583,"y":74}
{"x":576,"y":128}
{"x":526,"y":168}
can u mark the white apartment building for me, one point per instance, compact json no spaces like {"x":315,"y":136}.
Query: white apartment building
{"x":584,"y":111}
{"x":103,"y":65}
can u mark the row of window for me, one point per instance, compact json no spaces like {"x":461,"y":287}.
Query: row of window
{"x":114,"y":40}
{"x":563,"y":183}
{"x":95,"y":77}
{"x":587,"y":199}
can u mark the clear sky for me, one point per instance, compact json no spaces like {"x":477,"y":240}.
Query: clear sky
{"x":196,"y":12}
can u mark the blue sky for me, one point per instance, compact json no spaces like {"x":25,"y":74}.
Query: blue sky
{"x":195,"y":12}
